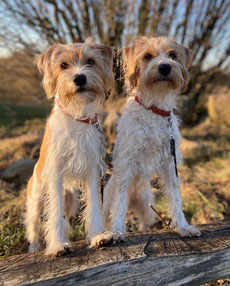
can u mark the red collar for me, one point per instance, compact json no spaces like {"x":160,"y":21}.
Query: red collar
{"x":84,"y":120}
{"x":154,"y":109}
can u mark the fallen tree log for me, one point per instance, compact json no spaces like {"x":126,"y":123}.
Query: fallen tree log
{"x":152,"y":258}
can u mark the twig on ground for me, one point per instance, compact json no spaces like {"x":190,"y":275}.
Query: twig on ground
{"x":164,"y":222}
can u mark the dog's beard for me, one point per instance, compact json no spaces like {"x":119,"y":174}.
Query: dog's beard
{"x":84,"y":95}
{"x":174,"y":80}
{"x":69,"y":92}
{"x":81,"y":97}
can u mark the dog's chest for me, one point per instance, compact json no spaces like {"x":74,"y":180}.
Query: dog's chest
{"x":154,"y":149}
{"x":155,"y":137}
{"x":153,"y":131}
{"x":78,"y":146}
{"x":148,"y":137}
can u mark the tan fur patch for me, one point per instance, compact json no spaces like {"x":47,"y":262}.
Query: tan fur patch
{"x":43,"y":151}
{"x":29,"y":186}
{"x":42,"y":157}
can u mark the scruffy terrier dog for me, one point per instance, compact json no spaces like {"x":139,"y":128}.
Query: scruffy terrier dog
{"x":156,"y":71}
{"x":72,"y":152}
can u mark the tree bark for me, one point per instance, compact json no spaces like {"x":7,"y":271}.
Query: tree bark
{"x":152,"y":258}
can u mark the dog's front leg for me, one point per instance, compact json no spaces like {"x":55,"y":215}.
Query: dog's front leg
{"x":57,"y":242}
{"x":93,"y":211}
{"x":120,"y":206}
{"x":172,"y":188}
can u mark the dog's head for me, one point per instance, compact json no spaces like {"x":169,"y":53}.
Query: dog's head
{"x":157,"y":61}
{"x":77,"y":71}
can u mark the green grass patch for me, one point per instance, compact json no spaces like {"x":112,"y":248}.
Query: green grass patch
{"x":190,"y":210}
{"x":77,"y":230}
{"x":12,"y":239}
{"x":17,"y":119}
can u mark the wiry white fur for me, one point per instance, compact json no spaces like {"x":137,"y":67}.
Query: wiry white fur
{"x":142,"y":149}
{"x":75,"y":160}
{"x":79,"y":158}
{"x":75,"y":156}
{"x":77,"y":145}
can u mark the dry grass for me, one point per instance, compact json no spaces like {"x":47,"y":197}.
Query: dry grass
{"x":20,"y":80}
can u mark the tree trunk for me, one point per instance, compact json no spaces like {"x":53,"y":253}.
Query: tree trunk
{"x":152,"y":258}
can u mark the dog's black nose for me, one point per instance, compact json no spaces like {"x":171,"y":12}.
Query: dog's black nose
{"x":80,"y":79}
{"x":164,"y":69}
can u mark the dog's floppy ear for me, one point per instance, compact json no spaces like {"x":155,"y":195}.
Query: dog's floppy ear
{"x":43,"y":62}
{"x":189,"y":55}
{"x":107,"y":53}
{"x":133,"y":78}
{"x":189,"y":60}
{"x":129,"y":51}
{"x":186,"y":80}
{"x":131,"y":66}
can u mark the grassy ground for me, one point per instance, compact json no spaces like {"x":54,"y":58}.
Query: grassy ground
{"x":20,"y":119}
{"x":204,"y":175}
{"x":15,"y":122}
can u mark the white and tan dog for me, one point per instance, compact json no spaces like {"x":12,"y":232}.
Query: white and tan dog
{"x":72,"y":152}
{"x":156,"y":71}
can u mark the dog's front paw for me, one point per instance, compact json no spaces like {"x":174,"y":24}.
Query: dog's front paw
{"x":34,"y":247}
{"x":59,"y":249}
{"x":107,"y":238}
{"x":102,"y":239}
{"x":189,"y":230}
{"x":118,"y":236}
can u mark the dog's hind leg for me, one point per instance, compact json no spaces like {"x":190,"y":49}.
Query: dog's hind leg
{"x":140,"y":199}
{"x":33,"y":211}
{"x":108,"y":197}
{"x":71,"y":207}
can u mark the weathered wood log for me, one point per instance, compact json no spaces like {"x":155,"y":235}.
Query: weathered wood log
{"x":153,"y":258}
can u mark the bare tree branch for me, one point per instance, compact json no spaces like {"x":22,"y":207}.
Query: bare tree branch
{"x":202,"y":25}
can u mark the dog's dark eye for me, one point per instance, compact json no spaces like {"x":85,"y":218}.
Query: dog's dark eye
{"x":64,"y":66}
{"x":172,"y":55}
{"x":148,"y":56}
{"x":90,"y":62}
